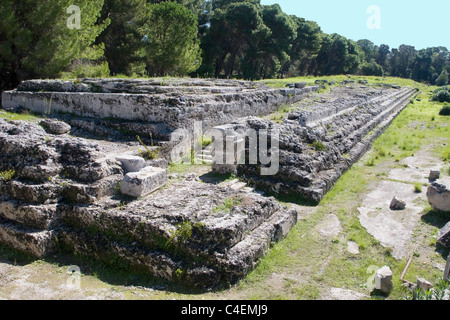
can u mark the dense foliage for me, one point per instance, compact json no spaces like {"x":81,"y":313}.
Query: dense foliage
{"x":205,"y":38}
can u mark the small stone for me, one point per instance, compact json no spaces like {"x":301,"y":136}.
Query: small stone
{"x":397,"y":204}
{"x":131,"y":163}
{"x":383,"y":279}
{"x":434,"y":174}
{"x":423,"y":284}
{"x":53,"y":126}
{"x":300,"y":85}
{"x":352,"y":247}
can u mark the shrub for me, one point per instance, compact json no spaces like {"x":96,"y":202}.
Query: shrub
{"x":445,"y":111}
{"x":441,"y":95}
{"x":149,"y":153}
{"x":442,"y":80}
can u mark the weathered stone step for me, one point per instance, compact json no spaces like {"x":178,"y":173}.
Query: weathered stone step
{"x":33,"y":216}
{"x":204,"y":272}
{"x":244,"y":256}
{"x":159,"y":218}
{"x":38,"y":243}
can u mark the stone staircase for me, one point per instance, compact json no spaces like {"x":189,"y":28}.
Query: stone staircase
{"x":182,"y":230}
{"x":318,"y":144}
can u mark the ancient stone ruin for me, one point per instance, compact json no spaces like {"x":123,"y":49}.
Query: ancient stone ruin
{"x":80,"y":181}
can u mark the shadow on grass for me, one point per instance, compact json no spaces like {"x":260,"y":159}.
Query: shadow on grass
{"x":114,"y":273}
{"x":437,"y":219}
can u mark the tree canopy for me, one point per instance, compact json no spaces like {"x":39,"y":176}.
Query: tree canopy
{"x":203,"y":38}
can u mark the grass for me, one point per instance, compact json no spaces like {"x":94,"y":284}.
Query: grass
{"x":23,"y":116}
{"x":417,"y":187}
{"x":228,"y":205}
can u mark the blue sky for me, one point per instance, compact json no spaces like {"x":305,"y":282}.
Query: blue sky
{"x":422,"y":24}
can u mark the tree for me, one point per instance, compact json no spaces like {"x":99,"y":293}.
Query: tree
{"x":338,"y":55}
{"x":123,"y":43}
{"x":371,"y":69}
{"x":442,"y":80}
{"x":171,"y":44}
{"x":305,"y":46}
{"x":236,"y":27}
{"x":369,"y":48}
{"x":401,"y":62}
{"x":268,"y":50}
{"x":35,"y":41}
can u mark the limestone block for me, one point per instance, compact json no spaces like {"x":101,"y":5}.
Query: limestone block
{"x":439,"y":196}
{"x":53,"y":126}
{"x":383,"y":279}
{"x":143,"y":182}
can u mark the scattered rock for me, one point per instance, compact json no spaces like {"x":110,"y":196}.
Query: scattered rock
{"x":444,"y":235}
{"x":53,"y":126}
{"x":434,"y":174}
{"x":397,"y":204}
{"x":423,"y":284}
{"x":300,"y":85}
{"x":352,"y":247}
{"x":383,"y":279}
{"x":439,"y":197}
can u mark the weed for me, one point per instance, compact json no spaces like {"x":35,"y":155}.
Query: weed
{"x":148,"y":154}
{"x":319,"y":146}
{"x":228,"y":204}
{"x":417,"y":187}
{"x":7,"y":175}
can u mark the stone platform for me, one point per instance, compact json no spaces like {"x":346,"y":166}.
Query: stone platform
{"x":160,"y":105}
{"x":100,"y":198}
{"x":65,"y":192}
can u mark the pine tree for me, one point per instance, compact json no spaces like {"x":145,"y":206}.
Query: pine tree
{"x":122,"y":39}
{"x":36,"y":42}
{"x":171,"y":44}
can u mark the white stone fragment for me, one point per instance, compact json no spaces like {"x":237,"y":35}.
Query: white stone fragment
{"x":131,"y":163}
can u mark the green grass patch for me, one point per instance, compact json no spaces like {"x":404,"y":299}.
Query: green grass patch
{"x":24,"y":116}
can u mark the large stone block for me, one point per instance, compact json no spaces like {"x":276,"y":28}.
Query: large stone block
{"x":143,"y":182}
{"x":438,"y":195}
